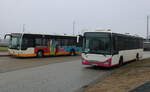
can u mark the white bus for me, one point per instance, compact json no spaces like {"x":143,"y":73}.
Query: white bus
{"x":108,"y":49}
{"x":31,"y":45}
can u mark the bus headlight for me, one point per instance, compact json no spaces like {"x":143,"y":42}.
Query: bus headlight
{"x":108,"y":61}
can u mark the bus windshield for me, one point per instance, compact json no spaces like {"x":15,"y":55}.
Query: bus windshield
{"x":14,"y":42}
{"x":97,"y":43}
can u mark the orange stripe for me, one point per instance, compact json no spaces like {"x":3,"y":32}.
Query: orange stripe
{"x":65,"y":53}
{"x":62,"y":53}
{"x":32,"y":55}
{"x":78,"y":52}
{"x":26,"y":55}
{"x":46,"y":54}
{"x":23,"y":55}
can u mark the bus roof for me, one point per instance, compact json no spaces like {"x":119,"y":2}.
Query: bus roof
{"x":105,"y":31}
{"x":41,"y":34}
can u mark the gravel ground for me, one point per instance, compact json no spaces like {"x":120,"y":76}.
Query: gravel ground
{"x":125,"y":78}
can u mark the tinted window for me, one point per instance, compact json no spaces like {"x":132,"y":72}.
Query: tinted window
{"x":97,"y":43}
{"x":41,"y":42}
{"x":27,"y":42}
{"x":124,"y":42}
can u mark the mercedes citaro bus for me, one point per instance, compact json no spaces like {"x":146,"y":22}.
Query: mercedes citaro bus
{"x":30,"y":45}
{"x":108,"y":49}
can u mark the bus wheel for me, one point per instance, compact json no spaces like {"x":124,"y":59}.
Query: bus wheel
{"x":121,"y":61}
{"x":40,"y":54}
{"x":72,"y":53}
{"x":137,"y":57}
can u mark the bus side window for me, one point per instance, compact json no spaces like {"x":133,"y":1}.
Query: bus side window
{"x":65,"y":42}
{"x":44,"y":42}
{"x":115,"y":45}
{"x":38,"y":41}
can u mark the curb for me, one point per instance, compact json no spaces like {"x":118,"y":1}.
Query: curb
{"x":82,"y":88}
{"x":4,"y":55}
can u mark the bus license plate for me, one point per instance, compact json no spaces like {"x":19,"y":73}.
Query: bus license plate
{"x":94,"y":64}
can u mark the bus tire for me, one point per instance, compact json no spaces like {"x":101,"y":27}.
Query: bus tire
{"x":137,"y":57}
{"x":121,"y":61}
{"x":40,"y":53}
{"x":72,"y":53}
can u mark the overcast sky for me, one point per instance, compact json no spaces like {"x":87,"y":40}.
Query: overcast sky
{"x":57,"y":16}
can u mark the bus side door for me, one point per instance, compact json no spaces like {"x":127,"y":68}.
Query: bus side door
{"x":52,"y":47}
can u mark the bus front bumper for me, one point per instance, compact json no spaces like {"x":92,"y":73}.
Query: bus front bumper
{"x":23,"y":55}
{"x":102,"y":64}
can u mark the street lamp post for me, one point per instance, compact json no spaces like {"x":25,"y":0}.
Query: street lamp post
{"x":73,"y":28}
{"x":147,"y":28}
{"x":23,"y":30}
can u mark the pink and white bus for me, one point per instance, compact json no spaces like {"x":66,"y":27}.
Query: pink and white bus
{"x":108,"y":49}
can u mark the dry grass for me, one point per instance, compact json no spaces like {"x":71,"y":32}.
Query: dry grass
{"x":125,"y":78}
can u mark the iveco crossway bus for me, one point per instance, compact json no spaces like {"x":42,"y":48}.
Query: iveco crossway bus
{"x":108,"y":49}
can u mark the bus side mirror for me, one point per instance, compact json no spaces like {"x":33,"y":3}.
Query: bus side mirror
{"x":78,"y":38}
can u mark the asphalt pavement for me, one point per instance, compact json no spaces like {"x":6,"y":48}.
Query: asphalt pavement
{"x":4,"y":54}
{"x":59,"y":77}
{"x":143,"y":88}
{"x":56,"y":77}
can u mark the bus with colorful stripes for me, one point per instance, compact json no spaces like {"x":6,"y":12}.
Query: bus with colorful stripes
{"x":31,"y":45}
{"x":108,"y":49}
